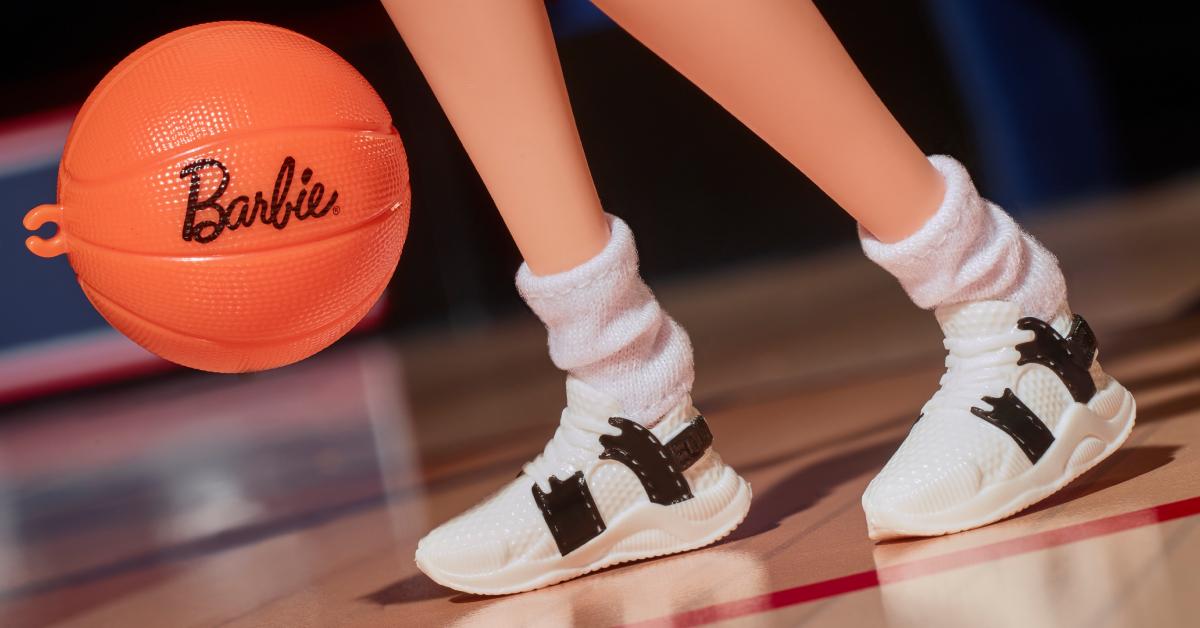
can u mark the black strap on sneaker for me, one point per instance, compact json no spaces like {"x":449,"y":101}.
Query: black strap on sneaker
{"x":569,"y":511}
{"x":568,"y":508}
{"x":1019,"y":422}
{"x":1070,"y":358}
{"x":637,"y":448}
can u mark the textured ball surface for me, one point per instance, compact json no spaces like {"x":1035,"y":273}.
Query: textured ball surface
{"x":234,"y":196}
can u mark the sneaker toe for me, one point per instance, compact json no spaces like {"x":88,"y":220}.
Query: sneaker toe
{"x":450,"y":551}
{"x":483,"y":540}
{"x":900,"y":505}
{"x":944,"y":463}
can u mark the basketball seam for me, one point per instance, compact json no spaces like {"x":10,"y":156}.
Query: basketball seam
{"x":209,"y":141}
{"x":374,"y":294}
{"x":110,"y":78}
{"x":366,"y":222}
{"x":162,"y":42}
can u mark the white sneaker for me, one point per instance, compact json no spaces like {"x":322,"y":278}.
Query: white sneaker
{"x":1023,"y":409}
{"x":605,"y":490}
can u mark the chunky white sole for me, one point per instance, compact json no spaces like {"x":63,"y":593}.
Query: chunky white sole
{"x":643,"y":531}
{"x":1084,"y":440}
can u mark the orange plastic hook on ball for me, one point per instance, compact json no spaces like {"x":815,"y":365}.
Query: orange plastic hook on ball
{"x":43,"y":247}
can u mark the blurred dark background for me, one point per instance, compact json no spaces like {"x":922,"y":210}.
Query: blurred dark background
{"x":298,"y":493}
{"x":1046,"y":102}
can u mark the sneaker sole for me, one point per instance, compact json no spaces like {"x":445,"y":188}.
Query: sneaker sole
{"x":1085,"y":440}
{"x":647,"y":530}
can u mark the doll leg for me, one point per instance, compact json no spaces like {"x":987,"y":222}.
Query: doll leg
{"x":494,"y":68}
{"x":777,"y":67}
{"x":1024,"y":407}
{"x":495,"y":71}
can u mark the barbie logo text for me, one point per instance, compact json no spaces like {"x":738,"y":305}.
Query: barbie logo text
{"x":207,"y":218}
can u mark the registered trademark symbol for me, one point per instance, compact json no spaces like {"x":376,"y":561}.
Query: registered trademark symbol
{"x":337,"y":209}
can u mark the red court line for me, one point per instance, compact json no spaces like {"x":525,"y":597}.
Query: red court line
{"x":927,"y":566}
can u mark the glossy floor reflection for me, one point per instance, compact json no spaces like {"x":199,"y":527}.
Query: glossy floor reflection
{"x":295,"y":497}
{"x":1129,"y":578}
{"x":132,"y":484}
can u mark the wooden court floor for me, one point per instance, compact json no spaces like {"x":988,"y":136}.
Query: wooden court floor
{"x":295,"y":497}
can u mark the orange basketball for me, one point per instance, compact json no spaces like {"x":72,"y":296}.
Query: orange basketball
{"x":232,"y":197}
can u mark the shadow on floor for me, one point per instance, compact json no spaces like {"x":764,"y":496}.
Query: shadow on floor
{"x":1153,"y":380}
{"x":1124,"y":465}
{"x":804,"y":487}
{"x":1169,"y":408}
{"x":415,"y":588}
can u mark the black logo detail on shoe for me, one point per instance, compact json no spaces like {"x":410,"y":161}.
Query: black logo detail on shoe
{"x":1019,"y":422}
{"x":206,"y":219}
{"x":689,"y":445}
{"x":1070,"y":357}
{"x":569,"y":511}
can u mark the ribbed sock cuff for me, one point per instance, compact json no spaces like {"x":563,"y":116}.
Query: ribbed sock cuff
{"x":606,"y":328}
{"x":970,"y":250}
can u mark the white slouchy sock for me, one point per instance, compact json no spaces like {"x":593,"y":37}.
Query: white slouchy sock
{"x":971,"y":250}
{"x":607,"y":329}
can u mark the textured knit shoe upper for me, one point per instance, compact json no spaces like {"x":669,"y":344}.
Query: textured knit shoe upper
{"x":509,"y":527}
{"x":952,"y":453}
